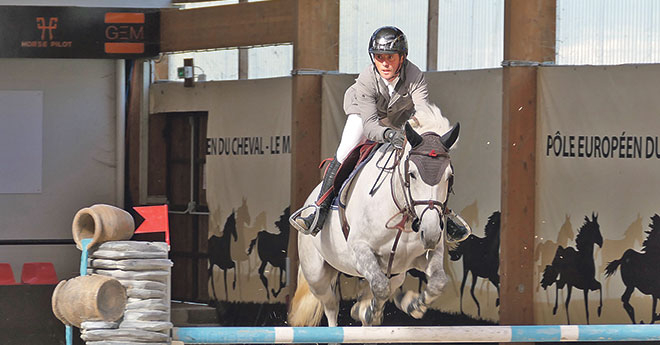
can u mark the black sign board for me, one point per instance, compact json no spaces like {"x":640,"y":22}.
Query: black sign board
{"x":78,"y":32}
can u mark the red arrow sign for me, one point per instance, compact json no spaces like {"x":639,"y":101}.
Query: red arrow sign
{"x":155,"y":220}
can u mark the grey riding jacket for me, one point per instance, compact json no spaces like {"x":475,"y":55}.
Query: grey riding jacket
{"x":370,"y":98}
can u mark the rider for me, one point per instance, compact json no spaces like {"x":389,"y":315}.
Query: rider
{"x":384,"y":96}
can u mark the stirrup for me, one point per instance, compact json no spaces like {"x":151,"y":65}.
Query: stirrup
{"x":296,"y":215}
{"x":461,"y":226}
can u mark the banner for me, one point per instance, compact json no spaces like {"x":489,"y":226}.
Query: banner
{"x":597,"y":191}
{"x":247,"y":180}
{"x":78,"y":32}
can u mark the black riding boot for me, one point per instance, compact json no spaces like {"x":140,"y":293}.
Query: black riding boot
{"x":323,"y":201}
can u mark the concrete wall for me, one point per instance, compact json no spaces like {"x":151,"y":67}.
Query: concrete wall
{"x":78,"y":162}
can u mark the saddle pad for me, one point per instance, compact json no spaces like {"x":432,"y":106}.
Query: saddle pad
{"x":357,"y":159}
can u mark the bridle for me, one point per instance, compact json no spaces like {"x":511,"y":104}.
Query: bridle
{"x":407,"y":207}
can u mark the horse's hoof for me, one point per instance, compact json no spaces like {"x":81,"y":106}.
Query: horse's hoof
{"x":363,"y":312}
{"x":410,"y":304}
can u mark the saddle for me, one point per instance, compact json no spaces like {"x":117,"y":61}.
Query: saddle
{"x":353,"y":163}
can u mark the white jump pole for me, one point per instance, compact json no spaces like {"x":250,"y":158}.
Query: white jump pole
{"x":436,"y":334}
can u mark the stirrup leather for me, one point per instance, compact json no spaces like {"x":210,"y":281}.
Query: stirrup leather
{"x":297,"y":214}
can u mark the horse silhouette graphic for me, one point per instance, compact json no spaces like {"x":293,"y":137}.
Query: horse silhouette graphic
{"x":576,"y":268}
{"x":545,"y":249}
{"x":481,"y":257}
{"x":641,"y":270}
{"x":220,"y":253}
{"x":272,"y":249}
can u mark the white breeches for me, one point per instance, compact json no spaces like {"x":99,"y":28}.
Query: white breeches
{"x":350,"y":137}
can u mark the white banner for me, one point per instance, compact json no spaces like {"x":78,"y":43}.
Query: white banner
{"x":597,"y":162}
{"x":247,"y":179}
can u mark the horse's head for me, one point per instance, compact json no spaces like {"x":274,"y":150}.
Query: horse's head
{"x":243,"y":213}
{"x":428,"y":178}
{"x":230,"y":226}
{"x":283,"y":223}
{"x":589,"y":233}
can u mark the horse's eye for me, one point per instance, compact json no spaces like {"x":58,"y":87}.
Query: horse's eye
{"x":412,"y":176}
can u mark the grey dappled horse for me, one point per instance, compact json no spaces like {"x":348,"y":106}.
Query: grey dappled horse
{"x":409,"y":195}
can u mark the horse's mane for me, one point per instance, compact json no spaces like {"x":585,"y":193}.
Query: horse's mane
{"x":493,"y":226}
{"x":580,"y":240}
{"x":651,"y":244}
{"x":429,"y":119}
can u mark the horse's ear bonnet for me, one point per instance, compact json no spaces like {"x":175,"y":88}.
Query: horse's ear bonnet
{"x":431,"y":158}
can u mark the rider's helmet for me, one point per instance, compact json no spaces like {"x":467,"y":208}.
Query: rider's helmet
{"x":388,"y":40}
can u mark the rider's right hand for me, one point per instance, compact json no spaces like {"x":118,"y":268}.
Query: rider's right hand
{"x":396,"y":138}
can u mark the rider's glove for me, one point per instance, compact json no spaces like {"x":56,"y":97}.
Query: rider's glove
{"x":396,"y":138}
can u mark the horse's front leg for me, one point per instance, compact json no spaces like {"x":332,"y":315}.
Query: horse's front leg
{"x":416,"y":304}
{"x":370,"y":311}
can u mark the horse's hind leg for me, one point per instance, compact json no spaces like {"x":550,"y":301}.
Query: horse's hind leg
{"x":474,"y":283}
{"x":263,"y":278}
{"x":212,"y":283}
{"x":554,"y":309}
{"x":654,"y":316}
{"x":323,"y":288}
{"x":586,"y":303}
{"x":321,"y":278}
{"x":495,"y":280}
{"x":465,"y":274}
{"x":282,"y":284}
{"x":625,"y":298}
{"x":226,"y":291}
{"x":568,"y":300}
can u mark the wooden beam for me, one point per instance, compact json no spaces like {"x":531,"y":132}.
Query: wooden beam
{"x":432,"y":37}
{"x":316,"y":47}
{"x":243,"y":60}
{"x":529,"y":38}
{"x":243,"y":24}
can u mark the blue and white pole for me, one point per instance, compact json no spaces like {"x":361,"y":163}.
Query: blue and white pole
{"x":437,"y":334}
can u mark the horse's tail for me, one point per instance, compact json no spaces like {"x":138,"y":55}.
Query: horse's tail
{"x":252,"y":243}
{"x":550,"y":275}
{"x":612,"y":266}
{"x":306,"y":309}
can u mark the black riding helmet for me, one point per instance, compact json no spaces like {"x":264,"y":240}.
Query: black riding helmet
{"x":388,"y":40}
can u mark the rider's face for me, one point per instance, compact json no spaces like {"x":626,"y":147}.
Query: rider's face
{"x":388,"y":65}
